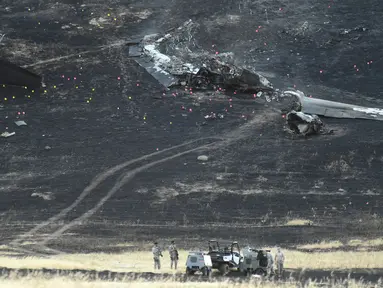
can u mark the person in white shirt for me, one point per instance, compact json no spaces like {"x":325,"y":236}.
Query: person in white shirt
{"x":270,"y":264}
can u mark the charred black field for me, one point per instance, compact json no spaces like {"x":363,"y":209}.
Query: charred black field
{"x":71,"y":169}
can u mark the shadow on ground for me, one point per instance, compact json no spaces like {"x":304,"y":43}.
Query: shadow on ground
{"x":369,"y":275}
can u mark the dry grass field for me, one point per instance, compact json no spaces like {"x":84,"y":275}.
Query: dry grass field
{"x":358,"y":244}
{"x":141,"y":260}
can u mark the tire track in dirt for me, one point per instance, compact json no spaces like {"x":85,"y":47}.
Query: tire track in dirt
{"x":232,"y":137}
{"x":121,"y":181}
{"x":99,"y":49}
{"x":94,"y":183}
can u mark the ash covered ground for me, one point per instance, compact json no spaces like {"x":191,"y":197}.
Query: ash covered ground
{"x":100,"y":109}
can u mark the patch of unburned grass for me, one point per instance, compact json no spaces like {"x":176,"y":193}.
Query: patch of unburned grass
{"x":298,"y":222}
{"x":354,"y":243}
{"x":322,"y":245}
{"x":131,"y":261}
{"x":142,"y":261}
{"x":366,"y":243}
{"x":337,"y":260}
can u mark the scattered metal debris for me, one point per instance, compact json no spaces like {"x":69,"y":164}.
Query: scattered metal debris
{"x":20,"y":123}
{"x":304,"y":124}
{"x":203,"y":158}
{"x":7,"y":134}
{"x":356,"y":29}
{"x":216,"y":73}
{"x":46,"y":196}
{"x":213,"y":116}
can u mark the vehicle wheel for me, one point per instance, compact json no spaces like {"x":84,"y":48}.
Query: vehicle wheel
{"x":204,"y":271}
{"x":189,"y":271}
{"x":224,"y":269}
{"x":259,"y":272}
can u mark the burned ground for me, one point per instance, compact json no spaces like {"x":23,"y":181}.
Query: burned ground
{"x":100,"y":109}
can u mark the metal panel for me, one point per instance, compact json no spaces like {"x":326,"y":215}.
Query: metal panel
{"x":12,"y":74}
{"x":163,"y":77}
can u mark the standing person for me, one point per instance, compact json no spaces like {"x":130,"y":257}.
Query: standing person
{"x":279,"y":260}
{"x":157,"y":253}
{"x":173,"y":252}
{"x":270,"y":264}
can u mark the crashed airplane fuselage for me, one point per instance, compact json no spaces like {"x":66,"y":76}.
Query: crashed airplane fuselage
{"x":212,"y":72}
{"x":207,"y":72}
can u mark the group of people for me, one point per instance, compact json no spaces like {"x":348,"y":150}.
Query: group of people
{"x":157,"y":253}
{"x":279,"y":258}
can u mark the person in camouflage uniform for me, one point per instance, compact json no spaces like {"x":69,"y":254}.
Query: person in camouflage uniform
{"x":157,"y":253}
{"x":279,"y":260}
{"x":173,"y":252}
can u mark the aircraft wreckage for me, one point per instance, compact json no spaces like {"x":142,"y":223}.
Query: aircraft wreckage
{"x":11,"y":74}
{"x":302,"y":113}
{"x":206,"y":72}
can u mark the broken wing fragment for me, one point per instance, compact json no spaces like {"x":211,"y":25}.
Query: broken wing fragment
{"x":334,"y":109}
{"x":11,"y":74}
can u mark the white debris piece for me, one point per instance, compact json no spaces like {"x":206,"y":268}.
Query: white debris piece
{"x":161,"y":60}
{"x":212,"y":115}
{"x":264,"y":81}
{"x":369,"y":110}
{"x":97,"y":22}
{"x":305,"y":117}
{"x":20,"y":123}
{"x":7,"y":134}
{"x":46,"y":196}
{"x":164,"y":62}
{"x":202,"y":158}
